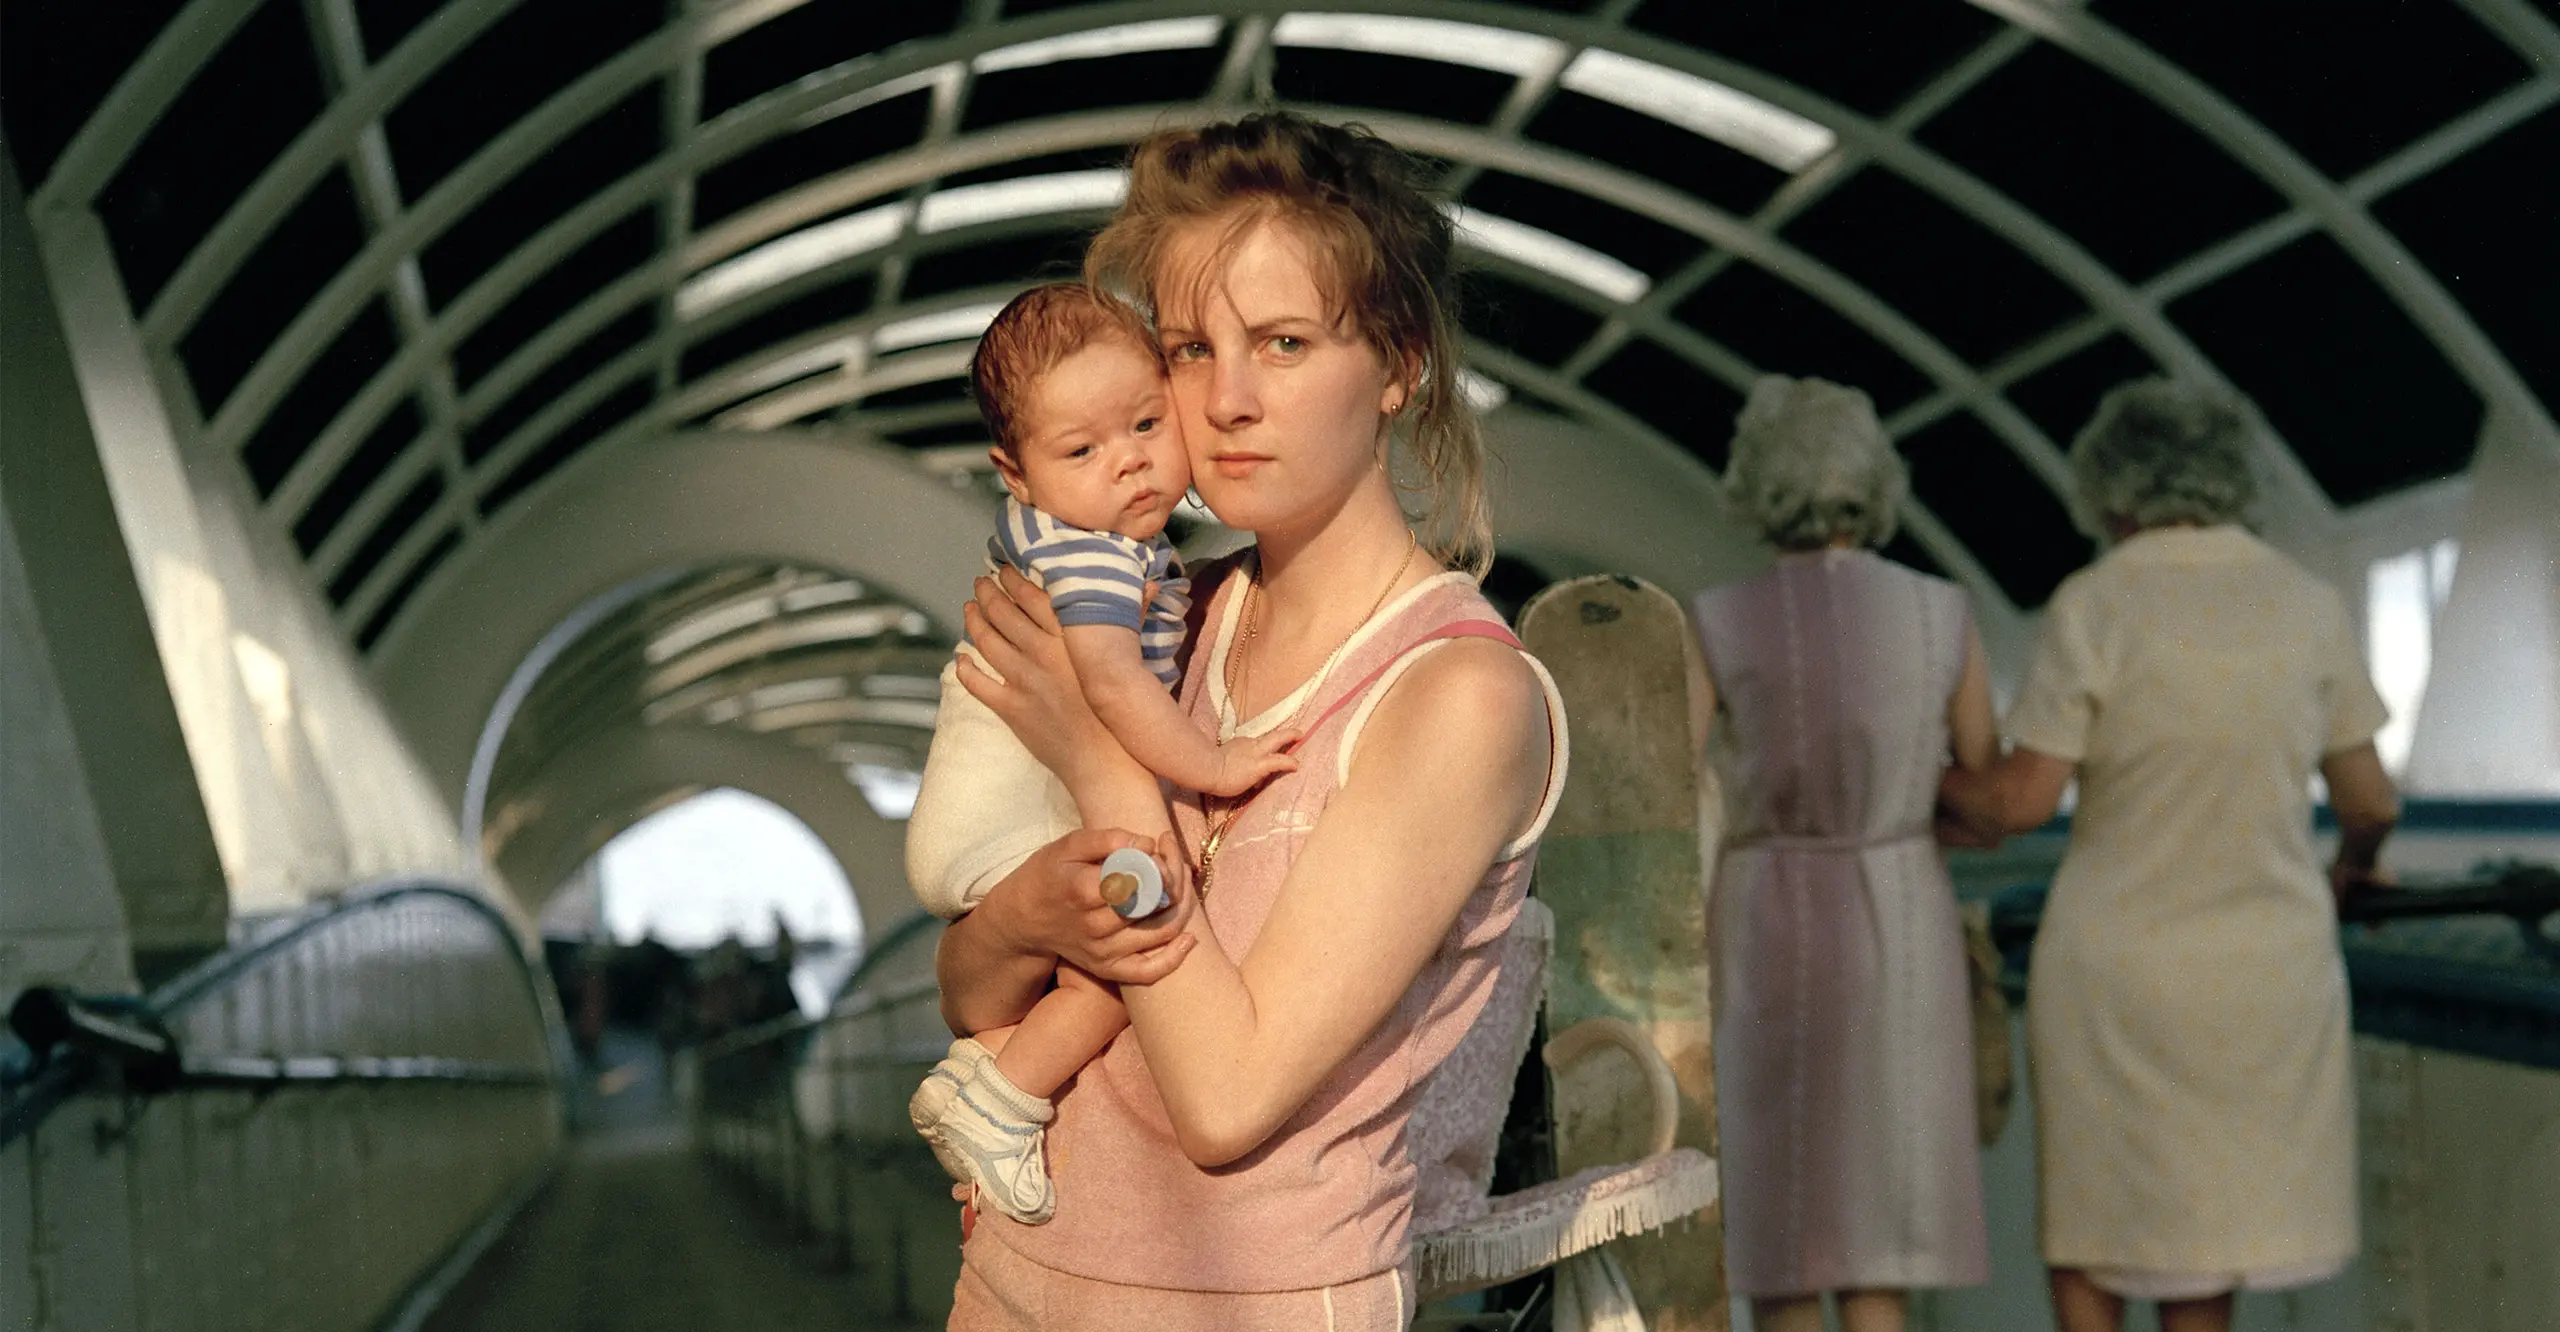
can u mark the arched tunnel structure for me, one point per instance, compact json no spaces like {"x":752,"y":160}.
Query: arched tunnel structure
{"x":440,"y":431}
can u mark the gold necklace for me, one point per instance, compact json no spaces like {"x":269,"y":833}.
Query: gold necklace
{"x":1239,"y":670}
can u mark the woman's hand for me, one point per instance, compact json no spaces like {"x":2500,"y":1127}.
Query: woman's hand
{"x":1969,"y":809}
{"x":1957,"y":833}
{"x":1052,"y":905}
{"x":1013,"y":627}
{"x":996,"y":961}
{"x":2349,"y":881}
{"x":1040,"y":700}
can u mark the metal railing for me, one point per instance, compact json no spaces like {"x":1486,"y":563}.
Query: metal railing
{"x":2469,"y":965}
{"x":810,"y":1116}
{"x":289,"y":1137}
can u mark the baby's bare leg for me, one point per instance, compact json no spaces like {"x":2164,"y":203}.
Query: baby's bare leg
{"x":1062,"y":1033}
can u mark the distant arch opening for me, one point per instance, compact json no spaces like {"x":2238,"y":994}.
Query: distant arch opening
{"x":723,"y":865}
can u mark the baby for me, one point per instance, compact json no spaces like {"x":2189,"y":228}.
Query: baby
{"x":1073,"y":391}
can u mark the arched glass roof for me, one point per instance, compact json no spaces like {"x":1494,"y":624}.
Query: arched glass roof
{"x":398,"y":260}
{"x":815,"y":660}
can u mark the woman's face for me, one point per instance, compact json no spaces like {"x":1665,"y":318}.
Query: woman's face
{"x":1284,"y":411}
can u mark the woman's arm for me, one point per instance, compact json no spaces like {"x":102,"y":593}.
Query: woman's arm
{"x":2018,"y":794}
{"x":1973,"y":733}
{"x":996,"y":961}
{"x":1451,"y":765}
{"x":2368,"y":808}
{"x":1968,"y":813}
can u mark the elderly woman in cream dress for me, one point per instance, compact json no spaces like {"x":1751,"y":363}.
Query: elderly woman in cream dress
{"x":2187,"y":1009}
{"x":1844,"y":1060}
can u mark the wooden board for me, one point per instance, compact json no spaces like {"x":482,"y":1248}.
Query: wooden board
{"x":1621,"y":868}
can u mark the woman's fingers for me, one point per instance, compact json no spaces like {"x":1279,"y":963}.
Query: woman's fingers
{"x":1177,"y":872}
{"x":1114,"y":935}
{"x":1002,"y":607}
{"x":1031,"y":598}
{"x":1109,"y":940}
{"x":1001,"y":695}
{"x":981,"y":686}
{"x":997,"y":628}
{"x":982,"y":636}
{"x":1154,"y":964}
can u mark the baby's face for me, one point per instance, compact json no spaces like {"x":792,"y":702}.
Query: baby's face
{"x":1100,"y":449}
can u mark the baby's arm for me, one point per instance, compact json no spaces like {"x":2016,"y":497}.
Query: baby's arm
{"x":1150,"y":724}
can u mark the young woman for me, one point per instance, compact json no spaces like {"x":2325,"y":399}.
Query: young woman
{"x":1237,"y":1159}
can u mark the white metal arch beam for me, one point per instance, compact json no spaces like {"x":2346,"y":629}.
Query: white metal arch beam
{"x":516,"y":146}
{"x":811,"y":96}
{"x":2533,"y":36}
{"x":1552,"y":166}
{"x":685,"y":500}
{"x":1735,"y":372}
{"x":1643,"y":513}
{"x":1642,"y":196}
{"x":754,"y":665}
{"x":137,"y":101}
{"x":487,"y":295}
{"x":649,"y":284}
{"x":870,"y":78}
{"x":2210,"y":264}
{"x":1931,"y":534}
{"x":1476,"y":146}
{"x":715,"y":389}
{"x":2104,"y":290}
{"x":330,"y":138}
{"x":600,"y":786}
{"x":2378,"y":252}
{"x":886,"y":175}
{"x":448,"y":202}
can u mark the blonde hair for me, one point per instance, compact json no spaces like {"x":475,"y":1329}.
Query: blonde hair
{"x":1811,"y":465}
{"x":1382,"y":256}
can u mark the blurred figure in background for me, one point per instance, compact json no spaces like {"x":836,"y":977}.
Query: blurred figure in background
{"x":2187,"y":1009}
{"x":1844,"y":1056}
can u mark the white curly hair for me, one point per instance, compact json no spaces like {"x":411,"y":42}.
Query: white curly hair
{"x":1811,"y":465}
{"x":2159,"y":452}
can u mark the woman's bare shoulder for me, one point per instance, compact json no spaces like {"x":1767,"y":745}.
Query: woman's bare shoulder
{"x":1478,"y":694}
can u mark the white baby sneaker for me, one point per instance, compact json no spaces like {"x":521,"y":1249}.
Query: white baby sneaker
{"x":933,"y":1099}
{"x":988,"y":1132}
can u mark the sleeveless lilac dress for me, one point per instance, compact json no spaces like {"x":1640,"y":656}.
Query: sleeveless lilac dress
{"x":1844,"y":1065}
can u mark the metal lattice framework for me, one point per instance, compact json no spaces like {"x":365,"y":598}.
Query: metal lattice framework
{"x":831,"y":370}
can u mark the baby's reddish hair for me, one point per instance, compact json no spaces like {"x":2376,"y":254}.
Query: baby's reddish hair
{"x":1030,"y":336}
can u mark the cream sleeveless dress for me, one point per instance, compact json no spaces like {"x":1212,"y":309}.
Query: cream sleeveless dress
{"x":2187,"y":1005}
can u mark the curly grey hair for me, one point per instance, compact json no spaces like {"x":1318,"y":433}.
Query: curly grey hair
{"x":2161,"y":452}
{"x":1811,"y":465}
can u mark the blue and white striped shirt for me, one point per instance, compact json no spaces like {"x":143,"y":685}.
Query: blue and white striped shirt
{"x":1098,"y":577}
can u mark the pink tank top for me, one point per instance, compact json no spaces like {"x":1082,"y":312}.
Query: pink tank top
{"x":1328,"y":1198}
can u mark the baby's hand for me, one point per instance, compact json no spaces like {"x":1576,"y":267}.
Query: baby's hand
{"x":1248,"y":761}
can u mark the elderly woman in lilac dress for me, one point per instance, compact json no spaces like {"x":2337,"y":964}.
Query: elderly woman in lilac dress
{"x":1846,"y":684}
